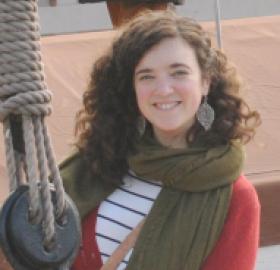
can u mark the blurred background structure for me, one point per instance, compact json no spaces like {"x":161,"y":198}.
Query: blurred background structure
{"x":68,"y":16}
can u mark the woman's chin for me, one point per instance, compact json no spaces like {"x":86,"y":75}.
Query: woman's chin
{"x":169,"y":130}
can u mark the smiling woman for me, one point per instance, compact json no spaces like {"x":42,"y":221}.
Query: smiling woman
{"x":169,"y":88}
{"x":181,"y":178}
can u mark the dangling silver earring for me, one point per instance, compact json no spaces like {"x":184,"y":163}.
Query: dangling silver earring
{"x":141,"y":125}
{"x":205,"y":114}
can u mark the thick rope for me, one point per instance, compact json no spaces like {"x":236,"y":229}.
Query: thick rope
{"x":34,"y":198}
{"x":45,"y":190}
{"x":10,"y":156}
{"x":23,"y":92}
{"x":55,"y":175}
{"x":20,"y":165}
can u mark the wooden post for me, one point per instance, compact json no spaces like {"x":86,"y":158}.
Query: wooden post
{"x":121,"y":12}
{"x":53,"y":3}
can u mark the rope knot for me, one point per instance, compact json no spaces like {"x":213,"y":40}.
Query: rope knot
{"x":29,"y":103}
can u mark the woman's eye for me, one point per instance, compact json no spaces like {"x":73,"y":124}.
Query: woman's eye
{"x":145,"y":77}
{"x":179,"y":73}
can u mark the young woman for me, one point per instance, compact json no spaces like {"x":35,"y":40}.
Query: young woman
{"x":160,"y":144}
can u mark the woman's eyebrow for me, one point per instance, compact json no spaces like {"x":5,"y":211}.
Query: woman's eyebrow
{"x":144,"y":70}
{"x":149,"y":70}
{"x":177,"y":65}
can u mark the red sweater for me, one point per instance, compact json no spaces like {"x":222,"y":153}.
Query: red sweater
{"x":236,"y":248}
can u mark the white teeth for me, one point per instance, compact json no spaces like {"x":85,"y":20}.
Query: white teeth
{"x":166,"y":106}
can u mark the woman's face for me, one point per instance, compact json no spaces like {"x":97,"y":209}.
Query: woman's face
{"x":169,"y":87}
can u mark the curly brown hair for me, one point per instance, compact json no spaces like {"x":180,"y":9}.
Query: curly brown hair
{"x":107,"y":126}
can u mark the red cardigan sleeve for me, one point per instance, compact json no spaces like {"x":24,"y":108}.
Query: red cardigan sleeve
{"x":237,"y":247}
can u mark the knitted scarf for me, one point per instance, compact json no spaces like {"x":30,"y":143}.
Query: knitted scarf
{"x":189,"y":213}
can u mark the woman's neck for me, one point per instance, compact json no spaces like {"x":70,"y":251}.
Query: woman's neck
{"x":171,"y":140}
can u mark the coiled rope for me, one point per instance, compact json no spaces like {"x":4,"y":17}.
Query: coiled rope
{"x":24,"y":103}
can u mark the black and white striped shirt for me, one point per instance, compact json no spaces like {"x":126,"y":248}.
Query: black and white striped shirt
{"x":121,"y":212}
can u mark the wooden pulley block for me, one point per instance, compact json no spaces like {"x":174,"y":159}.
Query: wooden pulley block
{"x":22,"y":241}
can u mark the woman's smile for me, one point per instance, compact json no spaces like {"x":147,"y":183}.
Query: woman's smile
{"x":166,"y":106}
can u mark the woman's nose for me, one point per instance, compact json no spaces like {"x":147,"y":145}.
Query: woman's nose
{"x":164,"y":87}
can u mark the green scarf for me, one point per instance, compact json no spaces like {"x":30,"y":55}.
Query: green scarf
{"x":189,"y":213}
{"x":195,"y":168}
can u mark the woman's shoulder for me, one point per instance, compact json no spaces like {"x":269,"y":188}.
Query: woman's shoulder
{"x":75,"y":175}
{"x":244,"y":187}
{"x":73,"y":167}
{"x":238,"y":242}
{"x":70,"y":160}
{"x":244,"y":195}
{"x":79,"y":183}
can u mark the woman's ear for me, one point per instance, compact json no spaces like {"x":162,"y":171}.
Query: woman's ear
{"x":205,"y":85}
